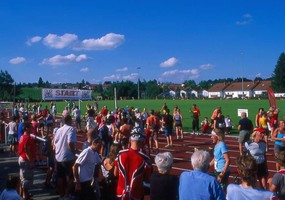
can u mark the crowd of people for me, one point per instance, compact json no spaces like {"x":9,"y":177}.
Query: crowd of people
{"x":115,"y":161}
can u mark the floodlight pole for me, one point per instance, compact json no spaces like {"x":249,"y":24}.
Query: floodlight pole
{"x":138,"y":68}
{"x":242,"y":88}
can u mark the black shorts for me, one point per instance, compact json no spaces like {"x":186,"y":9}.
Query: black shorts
{"x":64,"y":169}
{"x":262,"y":170}
{"x":178,"y":123}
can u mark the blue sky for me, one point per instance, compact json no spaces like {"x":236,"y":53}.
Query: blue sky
{"x":111,"y":40}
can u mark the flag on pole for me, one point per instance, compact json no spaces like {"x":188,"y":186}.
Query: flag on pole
{"x":271,"y":98}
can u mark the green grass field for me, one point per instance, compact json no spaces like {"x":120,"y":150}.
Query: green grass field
{"x":229,"y":107}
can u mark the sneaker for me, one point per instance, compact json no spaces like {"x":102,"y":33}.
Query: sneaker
{"x":181,"y":136}
{"x":177,"y":137}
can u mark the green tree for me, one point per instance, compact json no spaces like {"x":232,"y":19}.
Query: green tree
{"x":6,"y":86}
{"x":278,"y":77}
{"x":152,"y":89}
{"x":40,"y":82}
{"x":191,"y":84}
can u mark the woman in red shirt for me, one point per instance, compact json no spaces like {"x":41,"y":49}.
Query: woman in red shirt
{"x":26,"y":153}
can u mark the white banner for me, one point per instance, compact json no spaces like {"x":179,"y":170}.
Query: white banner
{"x":239,"y":111}
{"x":66,"y":94}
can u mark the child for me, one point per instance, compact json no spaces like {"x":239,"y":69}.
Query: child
{"x":229,"y":124}
{"x":206,"y":125}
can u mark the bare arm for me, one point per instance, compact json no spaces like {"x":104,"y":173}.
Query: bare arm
{"x":274,"y":138}
{"x":212,"y":162}
{"x":221,"y":175}
{"x":76,"y":176}
{"x":116,"y":172}
{"x":239,"y":127}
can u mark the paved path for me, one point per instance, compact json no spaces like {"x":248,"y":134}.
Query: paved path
{"x":9,"y":165}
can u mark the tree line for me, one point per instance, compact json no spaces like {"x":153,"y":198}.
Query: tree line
{"x":143,"y":89}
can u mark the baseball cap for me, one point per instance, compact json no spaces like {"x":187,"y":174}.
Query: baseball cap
{"x":261,"y":130}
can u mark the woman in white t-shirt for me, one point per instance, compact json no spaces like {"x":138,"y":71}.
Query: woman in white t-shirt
{"x":12,"y":135}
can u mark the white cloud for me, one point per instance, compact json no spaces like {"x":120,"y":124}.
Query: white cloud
{"x":180,"y":75}
{"x":17,"y":60}
{"x":130,"y":77}
{"x":33,"y":40}
{"x":246,"y":19}
{"x":81,"y":58}
{"x":108,"y":41}
{"x":113,"y":77}
{"x":118,"y":77}
{"x":206,"y":66}
{"x":185,"y":72}
{"x":169,"y":62}
{"x":85,"y":69}
{"x":59,"y":42}
{"x":122,"y":69}
{"x":62,"y":60}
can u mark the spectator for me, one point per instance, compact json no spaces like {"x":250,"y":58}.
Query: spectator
{"x":263,"y":123}
{"x":221,"y":160}
{"x":215,"y":113}
{"x":26,"y":160}
{"x":276,"y":184}
{"x":53,"y":110}
{"x":48,"y":151}
{"x":257,"y":148}
{"x":206,"y":126}
{"x":49,"y":121}
{"x":258,"y":116}
{"x":132,"y":168}
{"x":11,"y":193}
{"x":65,"y":112}
{"x":163,"y":185}
{"x":219,"y":122}
{"x":90,"y":136}
{"x":152,"y":125}
{"x":64,"y":146}
{"x":279,"y":137}
{"x":124,"y":133}
{"x":20,"y":126}
{"x":12,"y":135}
{"x":229,"y":125}
{"x":197,"y":184}
{"x":109,"y":181}
{"x":105,"y":137}
{"x":77,"y":114}
{"x":246,"y":167}
{"x":167,"y":122}
{"x":2,"y":124}
{"x":244,"y":127}
{"x":84,"y":169}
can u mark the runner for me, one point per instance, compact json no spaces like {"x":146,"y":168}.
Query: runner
{"x":195,"y":122}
